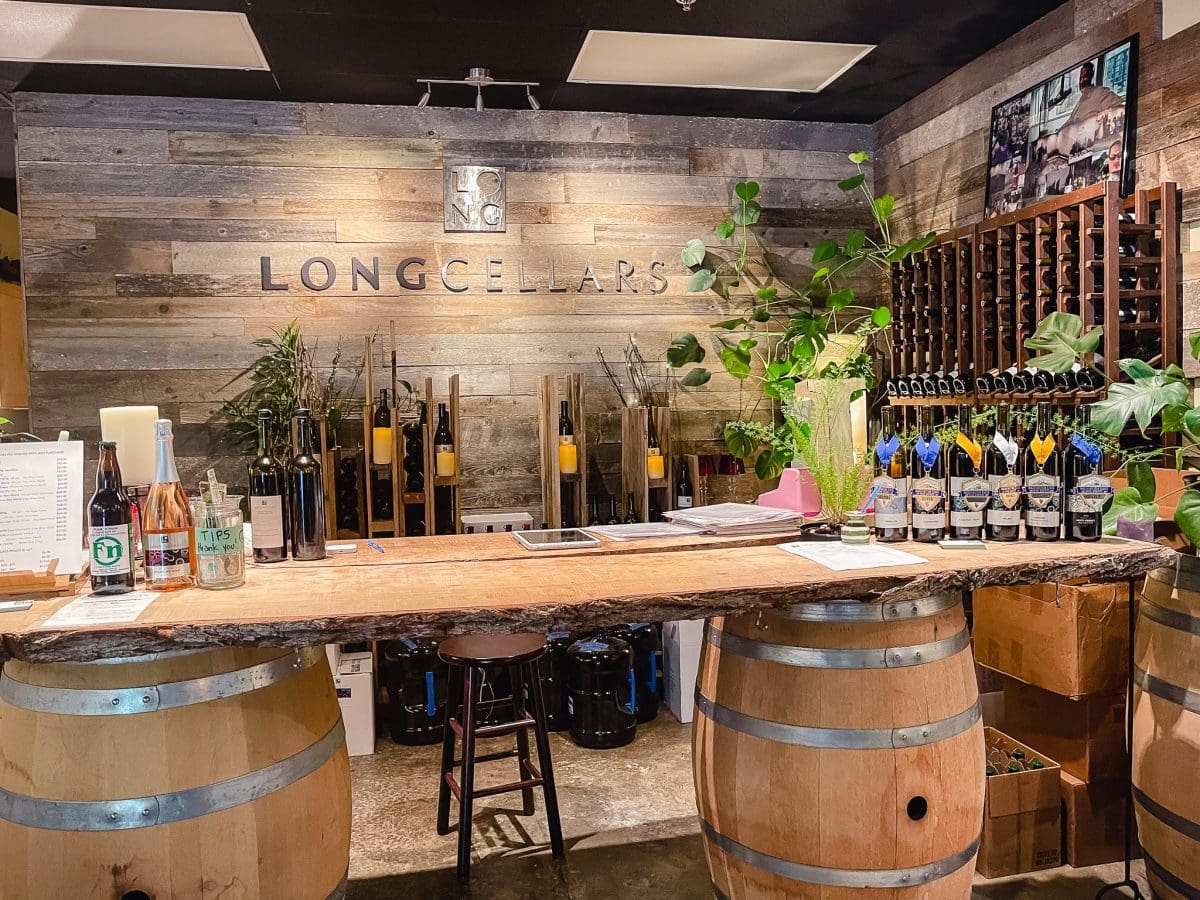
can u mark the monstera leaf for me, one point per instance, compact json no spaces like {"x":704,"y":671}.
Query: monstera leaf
{"x":1187,"y":515}
{"x":1151,"y":391}
{"x":1060,"y":340}
{"x":1129,"y":505}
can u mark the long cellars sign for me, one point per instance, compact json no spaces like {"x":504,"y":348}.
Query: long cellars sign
{"x":319,"y":273}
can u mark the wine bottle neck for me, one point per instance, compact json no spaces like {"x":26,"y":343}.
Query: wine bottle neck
{"x":164,"y":463}
{"x":264,"y":437}
{"x":108,"y":472}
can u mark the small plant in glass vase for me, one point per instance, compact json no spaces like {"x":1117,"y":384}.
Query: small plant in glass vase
{"x":800,"y":350}
{"x":1150,"y":396}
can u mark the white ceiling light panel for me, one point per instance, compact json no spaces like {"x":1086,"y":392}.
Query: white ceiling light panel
{"x":706,"y":61}
{"x":127,"y":36}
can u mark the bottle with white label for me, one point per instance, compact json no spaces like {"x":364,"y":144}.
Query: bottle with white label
{"x":891,"y":483}
{"x":969,"y":490}
{"x":268,"y":488}
{"x":927,"y":468}
{"x":1003,"y":464}
{"x":168,"y":530}
{"x":1086,"y":487}
{"x":110,"y":528}
{"x":1043,"y":481}
{"x":684,"y":493}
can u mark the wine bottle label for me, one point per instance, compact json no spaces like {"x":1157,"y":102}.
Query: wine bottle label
{"x":891,"y":502}
{"x":683,"y":502}
{"x":444,"y":459}
{"x":1043,"y":500}
{"x":1089,"y":494}
{"x":968,"y":498}
{"x":168,"y":555}
{"x":929,"y":503}
{"x":111,"y":549}
{"x":266,"y":522}
{"x":1005,"y":506}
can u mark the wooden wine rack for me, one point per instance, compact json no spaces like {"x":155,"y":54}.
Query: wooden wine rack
{"x":973,"y":297}
{"x":635,"y":437}
{"x":556,"y":484}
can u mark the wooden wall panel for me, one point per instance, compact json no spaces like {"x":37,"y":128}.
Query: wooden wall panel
{"x":145,"y":219}
{"x":931,"y":152}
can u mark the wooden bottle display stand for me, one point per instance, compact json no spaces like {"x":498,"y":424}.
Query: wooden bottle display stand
{"x":552,"y":478}
{"x":634,"y":443}
{"x":393,"y":468}
{"x":432,"y":479}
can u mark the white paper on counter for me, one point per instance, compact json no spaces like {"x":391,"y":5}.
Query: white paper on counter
{"x":41,"y":507}
{"x":638,"y":531}
{"x":844,"y":557}
{"x":114,"y":609}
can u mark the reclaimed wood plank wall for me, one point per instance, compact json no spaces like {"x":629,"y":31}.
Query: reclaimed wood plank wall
{"x":932,"y":152}
{"x":144,"y":220}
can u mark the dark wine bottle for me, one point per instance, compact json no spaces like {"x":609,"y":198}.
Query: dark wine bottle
{"x":612,"y":511}
{"x":1086,"y":487}
{"x":593,"y":511}
{"x":630,"y":510}
{"x":110,"y":528}
{"x":969,"y":491}
{"x":306,"y":495}
{"x":891,"y":483}
{"x":927,"y":468}
{"x":268,"y":486}
{"x":1003,"y":464}
{"x":1043,"y":481}
{"x":684,"y":493}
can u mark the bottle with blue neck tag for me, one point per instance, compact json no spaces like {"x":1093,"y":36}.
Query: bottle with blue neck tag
{"x":891,"y":483}
{"x":1087,"y":488}
{"x":927,"y":468}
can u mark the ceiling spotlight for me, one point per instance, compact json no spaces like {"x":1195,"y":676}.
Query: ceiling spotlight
{"x":479,"y":78}
{"x":686,"y":4}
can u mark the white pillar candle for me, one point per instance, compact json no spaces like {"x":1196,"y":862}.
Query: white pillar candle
{"x":858,"y":426}
{"x":132,"y":427}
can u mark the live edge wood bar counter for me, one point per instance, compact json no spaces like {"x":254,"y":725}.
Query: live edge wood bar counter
{"x":837,"y":748}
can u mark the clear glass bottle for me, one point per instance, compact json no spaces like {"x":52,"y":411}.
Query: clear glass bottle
{"x":168,"y":529}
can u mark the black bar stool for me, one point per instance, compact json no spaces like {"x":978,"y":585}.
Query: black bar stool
{"x":467,"y":655}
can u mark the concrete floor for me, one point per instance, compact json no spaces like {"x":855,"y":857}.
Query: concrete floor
{"x":628,"y":816}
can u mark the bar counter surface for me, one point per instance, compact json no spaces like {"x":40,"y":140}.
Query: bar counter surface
{"x":487,"y":582}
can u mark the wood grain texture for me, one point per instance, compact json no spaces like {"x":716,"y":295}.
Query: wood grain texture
{"x":147,"y":217}
{"x":313,"y":603}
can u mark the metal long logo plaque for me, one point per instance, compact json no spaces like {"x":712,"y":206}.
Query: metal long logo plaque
{"x":473,"y":198}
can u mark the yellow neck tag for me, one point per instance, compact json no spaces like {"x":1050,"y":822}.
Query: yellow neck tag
{"x":1042,"y":448}
{"x":974,"y":450}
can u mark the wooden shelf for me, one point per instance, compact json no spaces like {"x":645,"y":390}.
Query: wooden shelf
{"x":1129,"y":262}
{"x":1127,"y":228}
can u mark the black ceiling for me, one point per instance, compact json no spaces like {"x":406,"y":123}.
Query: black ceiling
{"x":370,"y":51}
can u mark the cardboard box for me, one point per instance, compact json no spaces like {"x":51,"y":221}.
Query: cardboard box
{"x":356,"y":697}
{"x":1094,"y":821}
{"x":1069,"y":639}
{"x":1022,"y":812}
{"x":350,"y":659}
{"x":1086,"y":736}
{"x":681,"y":652}
{"x":479,"y":523}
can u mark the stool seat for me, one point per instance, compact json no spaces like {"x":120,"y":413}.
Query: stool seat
{"x":492,"y":649}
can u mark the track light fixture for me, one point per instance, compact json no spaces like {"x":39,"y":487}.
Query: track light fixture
{"x":479,"y":79}
{"x":686,"y":4}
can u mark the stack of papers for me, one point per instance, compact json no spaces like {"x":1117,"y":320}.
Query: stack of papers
{"x":737,"y":518}
{"x":642,"y":531}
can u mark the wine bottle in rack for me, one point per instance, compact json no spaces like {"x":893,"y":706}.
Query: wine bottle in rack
{"x":1087,"y":490}
{"x":593,"y":511}
{"x":1128,"y":279}
{"x":684,"y":493}
{"x":443,"y":445}
{"x":1127,"y":247}
{"x":969,"y":491}
{"x":268,"y":487}
{"x":306,"y":495}
{"x":631,"y":517}
{"x":927,"y":467}
{"x":891,"y":483}
{"x":1043,"y":480}
{"x":1003,"y":465}
{"x":612,"y":519}
{"x":568,"y":453}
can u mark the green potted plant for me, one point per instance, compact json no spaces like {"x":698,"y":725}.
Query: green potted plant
{"x":815,"y":339}
{"x":1150,"y":395}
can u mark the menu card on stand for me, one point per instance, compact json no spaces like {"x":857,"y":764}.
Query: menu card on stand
{"x":41,"y":507}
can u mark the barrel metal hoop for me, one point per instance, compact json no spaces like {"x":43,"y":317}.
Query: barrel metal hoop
{"x":155,"y":697}
{"x":160,"y":809}
{"x":845,"y":878}
{"x":339,"y":892}
{"x":856,"y":611}
{"x":1180,"y":696}
{"x":1169,"y":878}
{"x":1172,"y":820}
{"x":1172,"y":618}
{"x":826,"y":658}
{"x":839,"y":738}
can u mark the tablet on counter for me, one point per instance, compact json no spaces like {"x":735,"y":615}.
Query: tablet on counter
{"x":556,"y":539}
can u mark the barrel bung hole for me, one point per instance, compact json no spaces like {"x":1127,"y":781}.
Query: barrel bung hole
{"x":917,"y":808}
{"x":136,"y":895}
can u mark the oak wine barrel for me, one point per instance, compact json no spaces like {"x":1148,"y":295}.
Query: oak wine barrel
{"x":198,"y":774}
{"x":838,"y":752}
{"x":1166,"y":729}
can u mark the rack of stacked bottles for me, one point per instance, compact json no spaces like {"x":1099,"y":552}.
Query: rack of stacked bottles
{"x":981,"y":476}
{"x":963,"y":308}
